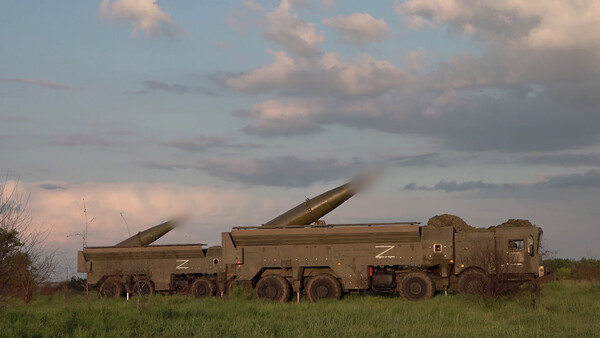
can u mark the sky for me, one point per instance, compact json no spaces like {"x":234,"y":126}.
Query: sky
{"x":131,"y":112}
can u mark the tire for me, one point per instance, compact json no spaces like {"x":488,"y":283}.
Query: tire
{"x":416,"y":285}
{"x":273,"y":287}
{"x":143,"y":287}
{"x":204,"y":288}
{"x":323,"y":286}
{"x":473,"y":282}
{"x":111,"y":288}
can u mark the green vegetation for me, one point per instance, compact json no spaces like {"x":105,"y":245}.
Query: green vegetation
{"x":565,"y":308}
{"x":23,"y":265}
{"x":583,"y":269}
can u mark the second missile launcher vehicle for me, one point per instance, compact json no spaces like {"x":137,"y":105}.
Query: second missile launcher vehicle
{"x":134,"y":266}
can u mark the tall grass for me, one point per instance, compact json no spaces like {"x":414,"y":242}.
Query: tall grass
{"x":565,"y":309}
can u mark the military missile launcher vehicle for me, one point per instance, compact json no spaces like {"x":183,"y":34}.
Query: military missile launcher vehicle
{"x":136,"y":267}
{"x":326,"y":261}
{"x":297,"y":253}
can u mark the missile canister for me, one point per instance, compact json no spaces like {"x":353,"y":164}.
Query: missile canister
{"x":148,"y":236}
{"x":312,"y":209}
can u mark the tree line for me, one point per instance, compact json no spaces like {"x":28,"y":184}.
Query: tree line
{"x":24,"y":265}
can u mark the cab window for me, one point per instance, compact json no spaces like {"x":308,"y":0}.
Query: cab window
{"x":516,"y":245}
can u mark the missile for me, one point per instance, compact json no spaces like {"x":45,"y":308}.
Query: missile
{"x":144,"y":238}
{"x":313,"y":209}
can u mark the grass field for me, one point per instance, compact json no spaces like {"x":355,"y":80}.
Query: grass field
{"x":563,"y":309}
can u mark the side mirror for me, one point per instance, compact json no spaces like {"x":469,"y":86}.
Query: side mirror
{"x":530,"y":250}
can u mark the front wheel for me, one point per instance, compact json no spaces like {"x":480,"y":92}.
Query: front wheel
{"x":323,"y":286}
{"x":416,"y":285}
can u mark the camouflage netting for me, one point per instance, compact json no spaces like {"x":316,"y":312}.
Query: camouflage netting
{"x":447,"y":220}
{"x":459,"y":225}
{"x":514,"y":223}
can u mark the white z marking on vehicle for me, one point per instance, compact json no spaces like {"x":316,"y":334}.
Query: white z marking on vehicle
{"x":381,"y":254}
{"x":183,"y":262}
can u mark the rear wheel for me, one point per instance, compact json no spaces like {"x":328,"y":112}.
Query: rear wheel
{"x":143,"y":287}
{"x":473,"y":282}
{"x":273,"y":287}
{"x":111,"y":288}
{"x":203,"y":288}
{"x":323,"y":286}
{"x":416,"y":285}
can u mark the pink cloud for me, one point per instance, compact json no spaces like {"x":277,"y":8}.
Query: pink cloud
{"x":40,"y":83}
{"x":145,"y":15}
{"x":358,"y":28}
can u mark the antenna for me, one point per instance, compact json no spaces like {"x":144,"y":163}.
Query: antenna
{"x":127,"y":225}
{"x":87,"y":223}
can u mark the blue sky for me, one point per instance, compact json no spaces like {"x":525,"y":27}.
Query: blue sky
{"x":231,"y":112}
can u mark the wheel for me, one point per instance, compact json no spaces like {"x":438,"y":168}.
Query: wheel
{"x":473,"y":282}
{"x":143,"y":287}
{"x":203,"y":288}
{"x":273,"y":287}
{"x":323,"y":286}
{"x":416,"y":285}
{"x":111,"y":288}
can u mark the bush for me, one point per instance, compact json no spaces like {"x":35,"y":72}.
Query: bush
{"x":587,"y":269}
{"x":584,"y":269}
{"x":553,"y":265}
{"x":564,"y":273}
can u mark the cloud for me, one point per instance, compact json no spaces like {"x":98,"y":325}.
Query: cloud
{"x":52,"y":186}
{"x":204,"y":143}
{"x":265,"y":78}
{"x":79,"y":140}
{"x":161,"y":165}
{"x":282,"y":171}
{"x":39,"y":83}
{"x":515,"y":96}
{"x":152,"y":86}
{"x":276,"y":171}
{"x":241,"y":19}
{"x":535,"y":82}
{"x":253,"y":5}
{"x":587,"y":180}
{"x":463,"y":120}
{"x":296,"y":35}
{"x":325,"y":76}
{"x":277,"y":118}
{"x":358,"y":28}
{"x":562,"y":159}
{"x":328,"y":3}
{"x":209,"y":210}
{"x":422,"y":160}
{"x":534,"y":24}
{"x":553,"y":45}
{"x":145,"y":15}
{"x":416,"y":60}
